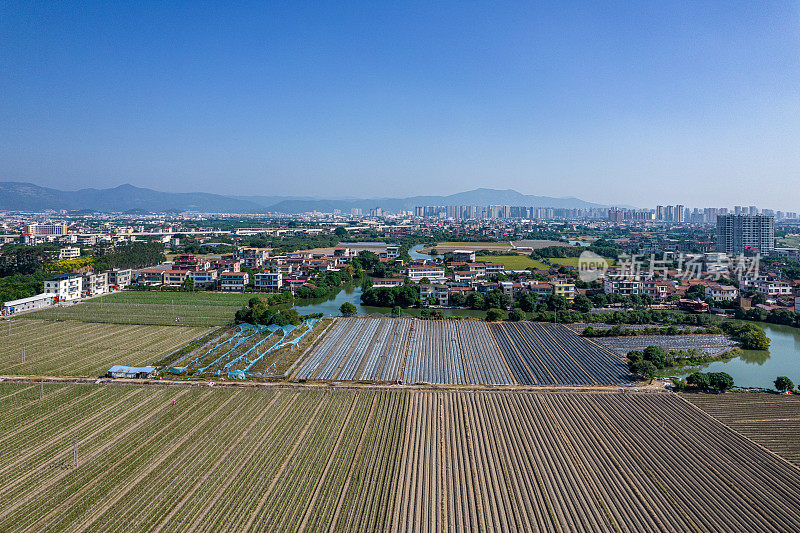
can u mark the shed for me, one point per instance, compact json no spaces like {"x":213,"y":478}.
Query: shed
{"x":131,"y":372}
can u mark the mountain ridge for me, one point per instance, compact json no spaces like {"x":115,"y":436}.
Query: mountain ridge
{"x":22,"y":196}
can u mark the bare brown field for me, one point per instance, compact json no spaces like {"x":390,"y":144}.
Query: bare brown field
{"x":772,"y":420}
{"x":132,"y":458}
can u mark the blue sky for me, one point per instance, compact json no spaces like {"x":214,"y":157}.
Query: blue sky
{"x":642,"y":103}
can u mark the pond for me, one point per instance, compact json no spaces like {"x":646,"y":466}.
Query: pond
{"x":760,"y":368}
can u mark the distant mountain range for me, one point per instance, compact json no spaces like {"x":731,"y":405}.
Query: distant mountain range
{"x":16,"y":196}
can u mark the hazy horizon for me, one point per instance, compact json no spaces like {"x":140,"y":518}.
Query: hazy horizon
{"x":616,"y":104}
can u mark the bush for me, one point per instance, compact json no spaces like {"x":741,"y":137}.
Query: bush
{"x":783,"y":383}
{"x":515,"y":315}
{"x":720,"y":381}
{"x":645,"y":369}
{"x":348,"y":309}
{"x":699,"y":380}
{"x":678,"y":384}
{"x":493,"y":315}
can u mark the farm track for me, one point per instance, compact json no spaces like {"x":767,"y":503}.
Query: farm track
{"x":771,"y":420}
{"x":425,"y":460}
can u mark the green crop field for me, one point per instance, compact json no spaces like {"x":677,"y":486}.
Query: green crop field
{"x":476,"y":245}
{"x":180,"y":298}
{"x":84,"y":349}
{"x":571,"y":261}
{"x":152,"y":308}
{"x":513,"y":262}
{"x":79,"y":457}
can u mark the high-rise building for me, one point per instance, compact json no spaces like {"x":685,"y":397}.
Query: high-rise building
{"x":680,"y":212}
{"x":737,"y":234}
{"x":45,"y":229}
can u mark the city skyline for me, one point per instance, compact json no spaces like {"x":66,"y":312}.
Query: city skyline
{"x":632,"y":105}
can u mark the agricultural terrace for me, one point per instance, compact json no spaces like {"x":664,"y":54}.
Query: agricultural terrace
{"x":152,"y":308}
{"x":83,"y":349}
{"x":129,"y":458}
{"x":460,"y":352}
{"x":514,"y":262}
{"x":772,"y":420}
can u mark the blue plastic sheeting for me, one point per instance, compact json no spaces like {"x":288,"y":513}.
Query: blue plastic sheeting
{"x":310,"y":323}
{"x":242,"y":328}
{"x":236,"y":374}
{"x":253,"y":330}
{"x":178,"y":370}
{"x":233,"y":362}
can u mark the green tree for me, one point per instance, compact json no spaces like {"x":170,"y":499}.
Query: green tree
{"x":783,"y":383}
{"x":348,"y":309}
{"x":493,"y":315}
{"x":759,"y":298}
{"x":699,"y":380}
{"x":475,"y":300}
{"x":644,"y":369}
{"x":341,"y":233}
{"x":396,"y":310}
{"x":582,"y":303}
{"x":556,"y":302}
{"x":720,"y":381}
{"x":515,"y":315}
{"x":755,"y":340}
{"x":188,"y":284}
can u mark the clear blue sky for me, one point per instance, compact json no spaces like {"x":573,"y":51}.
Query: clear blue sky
{"x":639,"y":103}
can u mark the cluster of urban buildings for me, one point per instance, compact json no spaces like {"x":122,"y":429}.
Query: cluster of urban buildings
{"x":477,"y":212}
{"x":680,"y":214}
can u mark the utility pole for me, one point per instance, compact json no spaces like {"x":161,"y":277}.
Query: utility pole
{"x":75,"y":454}
{"x":23,"y":354}
{"x":41,"y":389}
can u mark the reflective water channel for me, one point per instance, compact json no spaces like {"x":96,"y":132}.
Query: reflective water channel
{"x":760,"y":368}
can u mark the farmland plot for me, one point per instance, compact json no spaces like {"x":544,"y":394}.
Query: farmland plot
{"x":772,"y":420}
{"x":540,"y":353}
{"x":568,"y":461}
{"x":199,"y":459}
{"x":163,"y":314}
{"x":211,"y":459}
{"x":242,"y":351}
{"x":460,"y":352}
{"x":84,"y":349}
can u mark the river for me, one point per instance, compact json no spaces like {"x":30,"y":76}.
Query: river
{"x":760,"y":368}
